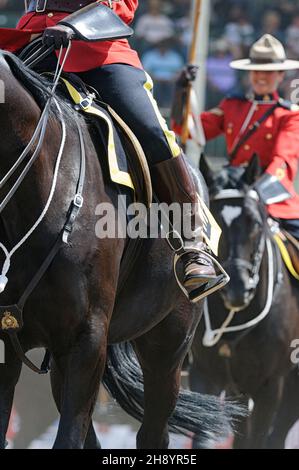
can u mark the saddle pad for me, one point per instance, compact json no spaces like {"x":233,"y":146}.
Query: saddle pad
{"x":286,"y":255}
{"x":117,"y":158}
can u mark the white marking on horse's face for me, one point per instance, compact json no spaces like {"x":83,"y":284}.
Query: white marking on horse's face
{"x":230,"y":213}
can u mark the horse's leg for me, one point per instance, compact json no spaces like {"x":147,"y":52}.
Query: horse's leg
{"x":84,"y":364}
{"x":288,"y":412}
{"x":266,"y":402}
{"x":161,"y":352}
{"x":9,"y":376}
{"x":91,"y":441}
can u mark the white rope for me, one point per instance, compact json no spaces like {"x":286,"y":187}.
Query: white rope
{"x":6,"y":265}
{"x":8,"y":255}
{"x":212,"y":337}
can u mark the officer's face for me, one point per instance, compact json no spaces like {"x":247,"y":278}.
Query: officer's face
{"x":264,"y":83}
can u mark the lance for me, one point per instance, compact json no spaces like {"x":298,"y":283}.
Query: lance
{"x":191,"y":61}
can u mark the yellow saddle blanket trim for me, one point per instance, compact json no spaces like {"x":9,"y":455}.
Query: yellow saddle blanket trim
{"x":211,"y":230}
{"x":285,"y":256}
{"x":117,"y":175}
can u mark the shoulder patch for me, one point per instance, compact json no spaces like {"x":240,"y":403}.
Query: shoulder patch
{"x":216,"y":111}
{"x":288,"y":105}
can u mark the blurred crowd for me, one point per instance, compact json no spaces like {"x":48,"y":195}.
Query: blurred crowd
{"x":163,"y":35}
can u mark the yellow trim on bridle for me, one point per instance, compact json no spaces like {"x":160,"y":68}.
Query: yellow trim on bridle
{"x":170,"y":135}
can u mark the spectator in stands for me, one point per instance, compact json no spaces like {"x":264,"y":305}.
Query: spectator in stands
{"x":292,"y":37}
{"x":221,"y":79}
{"x":163,"y":63}
{"x":154,"y":26}
{"x":239,"y":32}
{"x":9,"y":12}
{"x":271,"y":24}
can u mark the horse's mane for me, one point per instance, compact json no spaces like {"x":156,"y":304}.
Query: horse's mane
{"x":38,"y":86}
{"x":233,"y":178}
{"x":228,"y":178}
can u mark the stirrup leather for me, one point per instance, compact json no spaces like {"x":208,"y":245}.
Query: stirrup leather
{"x":177,"y":245}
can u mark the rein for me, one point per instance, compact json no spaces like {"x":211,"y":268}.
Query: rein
{"x":12,"y":316}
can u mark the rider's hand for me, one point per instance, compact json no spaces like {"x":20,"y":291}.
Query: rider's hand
{"x":58,"y":36}
{"x":188,"y":75}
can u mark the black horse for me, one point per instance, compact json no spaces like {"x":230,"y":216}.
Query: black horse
{"x":254,"y":362}
{"x":78,"y":311}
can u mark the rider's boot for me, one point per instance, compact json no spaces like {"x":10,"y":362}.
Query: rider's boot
{"x":172,"y":182}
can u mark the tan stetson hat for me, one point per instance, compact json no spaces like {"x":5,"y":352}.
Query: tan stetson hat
{"x":266,"y":54}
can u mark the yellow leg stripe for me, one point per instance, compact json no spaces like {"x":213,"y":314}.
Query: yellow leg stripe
{"x":286,"y":257}
{"x":170,"y":136}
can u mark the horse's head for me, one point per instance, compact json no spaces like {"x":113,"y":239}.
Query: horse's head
{"x":242,"y":217}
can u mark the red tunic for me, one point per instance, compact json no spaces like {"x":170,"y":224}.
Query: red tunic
{"x":83,"y":55}
{"x":276,"y":142}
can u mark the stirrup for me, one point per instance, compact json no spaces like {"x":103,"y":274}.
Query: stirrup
{"x":199,"y":293}
{"x":208,"y":288}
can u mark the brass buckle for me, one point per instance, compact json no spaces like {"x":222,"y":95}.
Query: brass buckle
{"x":39,"y":9}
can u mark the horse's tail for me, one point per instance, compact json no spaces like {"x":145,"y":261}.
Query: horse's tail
{"x":206,"y":416}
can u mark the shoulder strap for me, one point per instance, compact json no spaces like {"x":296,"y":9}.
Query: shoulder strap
{"x":254,"y":128}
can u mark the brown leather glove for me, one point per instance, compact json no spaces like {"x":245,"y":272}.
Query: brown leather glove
{"x":58,"y":36}
{"x":188,"y":75}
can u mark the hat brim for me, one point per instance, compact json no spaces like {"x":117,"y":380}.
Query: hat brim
{"x":247,"y":64}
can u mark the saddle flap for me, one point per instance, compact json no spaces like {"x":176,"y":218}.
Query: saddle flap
{"x":126,"y":159}
{"x":97,"y":23}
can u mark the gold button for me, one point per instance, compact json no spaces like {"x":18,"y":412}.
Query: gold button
{"x":246,"y":147}
{"x":269,"y":136}
{"x":50,"y":15}
{"x":229,"y":130}
{"x":280,"y":173}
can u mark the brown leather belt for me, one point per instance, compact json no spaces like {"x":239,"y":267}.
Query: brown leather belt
{"x":69,"y":6}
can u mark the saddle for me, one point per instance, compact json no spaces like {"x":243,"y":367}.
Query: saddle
{"x":289,"y":250}
{"x":126,"y":159}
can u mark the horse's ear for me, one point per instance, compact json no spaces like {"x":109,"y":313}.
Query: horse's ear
{"x":253,"y":171}
{"x":205,"y":170}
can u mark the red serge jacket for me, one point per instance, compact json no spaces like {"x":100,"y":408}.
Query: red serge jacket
{"x":276,"y":141}
{"x":83,"y":55}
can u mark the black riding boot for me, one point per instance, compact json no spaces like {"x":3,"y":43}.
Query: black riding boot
{"x":172,"y":182}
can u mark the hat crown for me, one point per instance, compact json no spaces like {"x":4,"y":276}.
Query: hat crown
{"x":267,"y":48}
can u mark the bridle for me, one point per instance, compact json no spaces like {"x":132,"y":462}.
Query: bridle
{"x":212,"y":337}
{"x":12,"y":316}
{"x":253,"y":266}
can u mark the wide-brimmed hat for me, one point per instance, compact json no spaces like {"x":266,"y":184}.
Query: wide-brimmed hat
{"x":266,"y":54}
